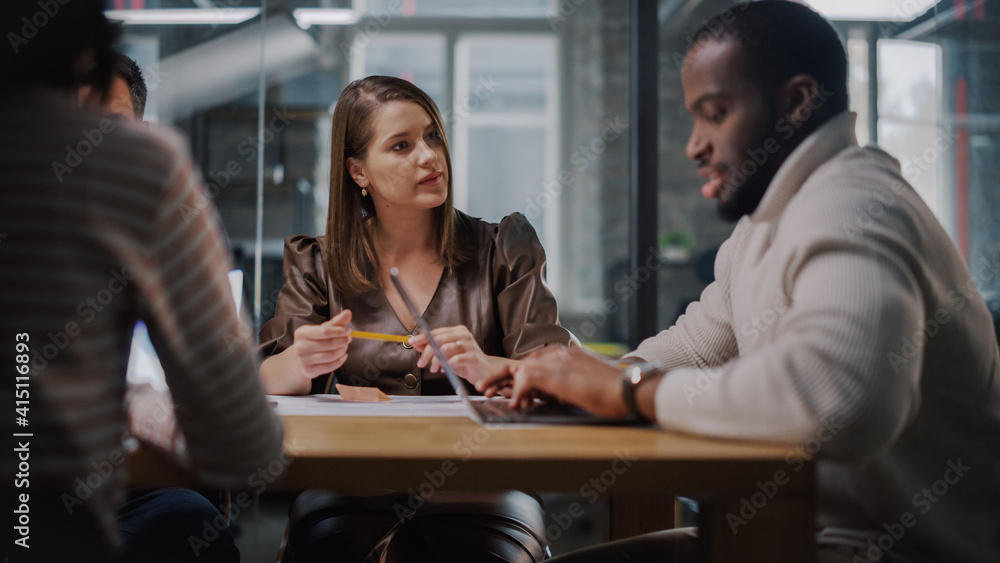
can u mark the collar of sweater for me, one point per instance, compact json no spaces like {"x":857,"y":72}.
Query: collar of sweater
{"x":822,"y":145}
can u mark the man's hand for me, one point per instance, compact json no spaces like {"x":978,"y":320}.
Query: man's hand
{"x":568,"y":374}
{"x":463,"y":353}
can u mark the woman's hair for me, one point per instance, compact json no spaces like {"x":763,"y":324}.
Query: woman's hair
{"x":351,"y":260}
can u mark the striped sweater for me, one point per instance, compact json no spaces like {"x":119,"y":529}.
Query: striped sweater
{"x":101,"y":225}
{"x":844,"y":322}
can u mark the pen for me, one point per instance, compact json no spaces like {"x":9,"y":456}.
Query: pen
{"x":379,"y":336}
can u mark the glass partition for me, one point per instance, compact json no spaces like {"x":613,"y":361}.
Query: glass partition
{"x":533,"y":93}
{"x":535,"y":99}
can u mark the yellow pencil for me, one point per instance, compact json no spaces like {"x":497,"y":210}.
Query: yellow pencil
{"x":379,"y":336}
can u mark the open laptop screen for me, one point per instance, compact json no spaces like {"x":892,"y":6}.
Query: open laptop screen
{"x":144,"y":365}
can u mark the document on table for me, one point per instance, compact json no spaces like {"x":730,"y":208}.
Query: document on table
{"x":400,"y":405}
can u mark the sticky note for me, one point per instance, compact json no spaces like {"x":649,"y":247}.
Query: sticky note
{"x":364,"y":394}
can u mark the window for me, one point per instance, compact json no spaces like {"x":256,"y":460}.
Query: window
{"x":501,"y":110}
{"x":908,"y":123}
{"x":505,"y":124}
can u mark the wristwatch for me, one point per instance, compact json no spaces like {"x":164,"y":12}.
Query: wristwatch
{"x":632,"y":376}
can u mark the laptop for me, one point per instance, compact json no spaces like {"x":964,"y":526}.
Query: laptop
{"x":143,"y":363}
{"x":498,"y":410}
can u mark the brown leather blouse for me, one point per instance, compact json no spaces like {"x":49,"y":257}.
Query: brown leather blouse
{"x":499,"y":294}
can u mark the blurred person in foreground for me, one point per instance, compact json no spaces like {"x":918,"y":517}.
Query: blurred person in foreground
{"x":94,"y":239}
{"x":156,"y":524}
{"x":877,"y":345}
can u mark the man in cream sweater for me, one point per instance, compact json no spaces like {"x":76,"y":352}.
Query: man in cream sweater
{"x":841,"y":311}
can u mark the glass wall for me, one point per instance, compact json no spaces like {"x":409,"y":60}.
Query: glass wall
{"x":534,"y":95}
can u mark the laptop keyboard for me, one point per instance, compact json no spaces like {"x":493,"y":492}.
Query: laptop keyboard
{"x":499,"y":411}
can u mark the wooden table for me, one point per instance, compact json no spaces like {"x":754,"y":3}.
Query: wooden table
{"x":757,"y":506}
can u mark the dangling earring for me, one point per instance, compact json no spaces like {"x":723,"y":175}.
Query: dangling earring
{"x":364,"y":191}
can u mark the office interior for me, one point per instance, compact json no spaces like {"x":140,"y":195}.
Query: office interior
{"x":568,"y":111}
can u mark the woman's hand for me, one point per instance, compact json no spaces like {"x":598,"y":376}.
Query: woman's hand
{"x":320,"y":349}
{"x":316,"y":350}
{"x":463,"y":353}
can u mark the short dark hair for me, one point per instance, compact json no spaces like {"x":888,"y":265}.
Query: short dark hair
{"x":782,"y":39}
{"x":55,"y":44}
{"x":127,"y":69}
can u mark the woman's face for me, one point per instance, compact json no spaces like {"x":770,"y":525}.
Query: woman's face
{"x":405,"y":165}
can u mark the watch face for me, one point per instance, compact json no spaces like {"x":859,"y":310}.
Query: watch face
{"x":635,"y":375}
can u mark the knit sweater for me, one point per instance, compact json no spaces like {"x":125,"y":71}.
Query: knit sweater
{"x":104,"y":224}
{"x":844,"y":323}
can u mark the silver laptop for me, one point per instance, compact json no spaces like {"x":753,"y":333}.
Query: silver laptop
{"x":144,"y":364}
{"x":498,"y":410}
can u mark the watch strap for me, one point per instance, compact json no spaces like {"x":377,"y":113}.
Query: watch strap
{"x":631,"y":377}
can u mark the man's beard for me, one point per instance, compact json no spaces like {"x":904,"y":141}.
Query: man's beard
{"x":744,"y":198}
{"x":745,"y":191}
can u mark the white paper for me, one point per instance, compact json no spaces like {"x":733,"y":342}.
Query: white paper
{"x":400,"y":405}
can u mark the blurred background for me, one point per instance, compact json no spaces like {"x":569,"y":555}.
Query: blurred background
{"x":540,"y":102}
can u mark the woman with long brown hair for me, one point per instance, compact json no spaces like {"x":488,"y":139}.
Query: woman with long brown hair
{"x":481,"y":283}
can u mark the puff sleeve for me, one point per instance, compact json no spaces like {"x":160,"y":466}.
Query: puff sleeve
{"x":304,"y":297}
{"x":526,"y":309}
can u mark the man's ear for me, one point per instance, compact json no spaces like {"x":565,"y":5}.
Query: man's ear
{"x":801,"y":95}
{"x":356,"y":169}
